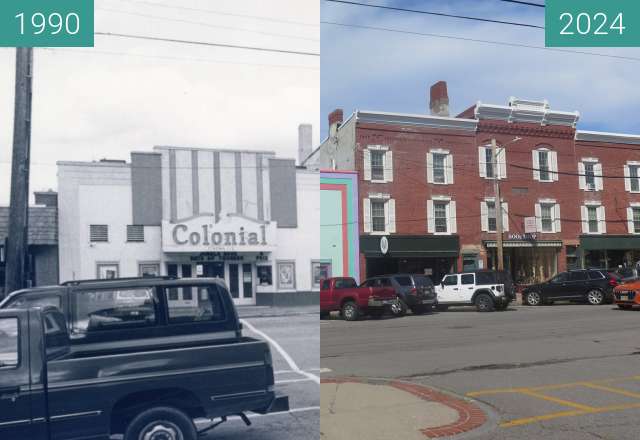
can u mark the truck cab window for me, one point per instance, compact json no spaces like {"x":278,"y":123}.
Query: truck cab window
{"x":8,"y":343}
{"x":112,"y":309}
{"x":26,"y":301}
{"x":194,"y":304}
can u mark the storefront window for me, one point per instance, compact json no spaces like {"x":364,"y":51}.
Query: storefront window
{"x":265,"y":276}
{"x":378,"y":220}
{"x":320,"y":270}
{"x":440,"y":214}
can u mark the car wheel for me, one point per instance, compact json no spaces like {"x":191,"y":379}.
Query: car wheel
{"x":398,"y":307}
{"x":350,"y":311}
{"x":484,"y":303}
{"x":161,"y":423}
{"x":533,"y":298}
{"x":595,"y":297}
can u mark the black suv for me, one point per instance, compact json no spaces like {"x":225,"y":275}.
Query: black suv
{"x":591,"y":285}
{"x":414,"y":291}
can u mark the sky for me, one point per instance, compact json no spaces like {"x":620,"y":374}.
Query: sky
{"x":128,"y":95}
{"x":368,"y":69}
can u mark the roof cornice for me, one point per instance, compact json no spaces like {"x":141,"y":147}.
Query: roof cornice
{"x":417,"y":120}
{"x":613,"y":138}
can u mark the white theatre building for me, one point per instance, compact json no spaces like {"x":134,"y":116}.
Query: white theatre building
{"x":245,"y":216}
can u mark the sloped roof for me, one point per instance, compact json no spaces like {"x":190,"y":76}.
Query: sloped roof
{"x":43,"y":225}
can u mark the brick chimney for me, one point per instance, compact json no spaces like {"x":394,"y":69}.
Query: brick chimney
{"x":305,"y":143}
{"x":335,"y":120}
{"x":439,"y":104}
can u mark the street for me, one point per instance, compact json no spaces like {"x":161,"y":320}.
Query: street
{"x":296,"y":334}
{"x":554,"y":372}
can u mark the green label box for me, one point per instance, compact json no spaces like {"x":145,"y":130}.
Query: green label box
{"x":592,"y":23}
{"x":46,"y":23}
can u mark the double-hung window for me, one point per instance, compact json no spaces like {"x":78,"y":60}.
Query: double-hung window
{"x":590,"y":174}
{"x":633,"y":218}
{"x":379,"y":214}
{"x":491,"y":167}
{"x":378,"y":219}
{"x":441,"y":216}
{"x":439,"y":173}
{"x":632,"y":177}
{"x":492,"y":223}
{"x":545,"y":165}
{"x":548,"y":216}
{"x":439,"y":167}
{"x":593,"y":218}
{"x":489,"y":217}
{"x":378,"y":164}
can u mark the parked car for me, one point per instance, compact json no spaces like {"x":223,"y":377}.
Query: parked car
{"x":51,"y":390}
{"x":627,"y":274}
{"x":594,"y":286}
{"x":343,"y":294}
{"x":415,"y":292}
{"x":627,"y":295}
{"x":141,"y":311}
{"x":487,"y":290}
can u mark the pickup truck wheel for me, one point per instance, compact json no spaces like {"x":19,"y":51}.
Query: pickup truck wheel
{"x":161,"y":423}
{"x":484,"y":303}
{"x":398,"y":308}
{"x":350,"y":311}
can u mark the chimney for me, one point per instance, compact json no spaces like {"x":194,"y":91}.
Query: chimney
{"x":439,"y":104}
{"x":305,"y":143}
{"x":335,"y":120}
{"x":46,"y":198}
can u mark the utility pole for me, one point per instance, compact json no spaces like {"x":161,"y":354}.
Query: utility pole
{"x":17,"y":241}
{"x":498,"y":204}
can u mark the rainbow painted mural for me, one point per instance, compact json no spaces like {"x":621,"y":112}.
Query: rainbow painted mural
{"x":339,"y":242}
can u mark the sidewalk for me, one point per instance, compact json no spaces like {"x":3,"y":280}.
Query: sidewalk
{"x":353,"y":409}
{"x":268,"y":311}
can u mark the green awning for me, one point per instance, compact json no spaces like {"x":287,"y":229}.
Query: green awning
{"x":412,"y":246}
{"x":616,"y":242}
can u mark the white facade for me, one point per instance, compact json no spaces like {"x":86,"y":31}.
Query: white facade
{"x":216,"y":219}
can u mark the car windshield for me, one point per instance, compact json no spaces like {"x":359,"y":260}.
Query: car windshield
{"x":404,"y":281}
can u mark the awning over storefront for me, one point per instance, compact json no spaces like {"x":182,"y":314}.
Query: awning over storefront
{"x":525,"y":243}
{"x":601,"y":242}
{"x":411,"y":246}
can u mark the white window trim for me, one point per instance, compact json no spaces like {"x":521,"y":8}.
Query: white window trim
{"x":552,"y":157}
{"x":597,"y":172}
{"x":450,"y":213}
{"x":389,"y":214}
{"x":484,"y":213}
{"x":387,"y":163}
{"x":630,"y":225}
{"x":601,"y":217}
{"x":501,"y":165}
{"x":448,"y":166}
{"x":627,"y":176}
{"x":555,"y":216}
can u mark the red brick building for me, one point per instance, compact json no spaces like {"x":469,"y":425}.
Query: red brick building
{"x":426,"y":184}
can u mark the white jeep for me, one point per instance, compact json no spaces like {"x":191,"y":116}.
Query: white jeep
{"x":488,"y":290}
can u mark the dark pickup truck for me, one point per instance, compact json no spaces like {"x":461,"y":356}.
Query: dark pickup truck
{"x":50,"y":389}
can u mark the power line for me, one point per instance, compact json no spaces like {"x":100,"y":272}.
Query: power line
{"x":475,"y":40}
{"x":166,"y":57}
{"x":209,"y":25}
{"x":520,"y":2}
{"x":228,"y":14}
{"x":204,"y":43}
{"x":566,"y":173}
{"x":438,"y":14}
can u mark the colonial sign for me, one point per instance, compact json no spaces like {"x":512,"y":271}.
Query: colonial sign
{"x":233,"y":233}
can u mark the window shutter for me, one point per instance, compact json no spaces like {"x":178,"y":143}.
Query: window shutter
{"x":582,"y":183}
{"x":481,"y":162}
{"x":536,"y":164}
{"x":597,"y":170}
{"x":367,"y":164}
{"x":366,"y":215}
{"x":502,"y":163}
{"x":484,"y":216}
{"x":505,"y":217}
{"x":388,"y":166}
{"x":602,"y":221}
{"x":431,"y":223}
{"x":449,"y":168}
{"x":585,"y":219}
{"x":553,"y":155}
{"x":453,"y":220}
{"x":391,"y":216}
{"x":538,"y":217}
{"x":98,"y":233}
{"x":556,"y":218}
{"x":429,"y":168}
{"x":135,"y":233}
{"x":630,"y":220}
{"x":627,"y":178}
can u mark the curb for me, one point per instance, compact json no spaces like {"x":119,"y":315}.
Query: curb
{"x":470,"y":415}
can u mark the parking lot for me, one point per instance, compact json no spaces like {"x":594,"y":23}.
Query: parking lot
{"x":567,"y":371}
{"x":295,"y":345}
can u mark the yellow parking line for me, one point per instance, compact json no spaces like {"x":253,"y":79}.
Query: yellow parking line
{"x":563,"y":402}
{"x":612,"y":390}
{"x":556,"y":415}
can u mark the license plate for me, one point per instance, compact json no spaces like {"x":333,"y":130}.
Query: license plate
{"x":624,"y":297}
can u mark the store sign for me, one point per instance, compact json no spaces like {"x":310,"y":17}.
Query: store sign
{"x":384,"y":245}
{"x":518,"y":236}
{"x":530,"y":225}
{"x":232,"y":234}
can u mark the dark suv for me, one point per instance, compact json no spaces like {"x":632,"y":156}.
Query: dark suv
{"x":591,"y":285}
{"x":414,"y":291}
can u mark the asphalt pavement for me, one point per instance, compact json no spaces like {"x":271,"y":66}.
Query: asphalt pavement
{"x":561,"y":372}
{"x":295,"y":346}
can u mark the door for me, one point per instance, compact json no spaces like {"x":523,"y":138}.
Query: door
{"x":247,"y":283}
{"x":578,"y":283}
{"x":15,"y":397}
{"x":448,"y":291}
{"x":557,"y":287}
{"x":467,"y":287}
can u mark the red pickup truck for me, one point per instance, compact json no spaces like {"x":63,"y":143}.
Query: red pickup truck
{"x":343,"y":294}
